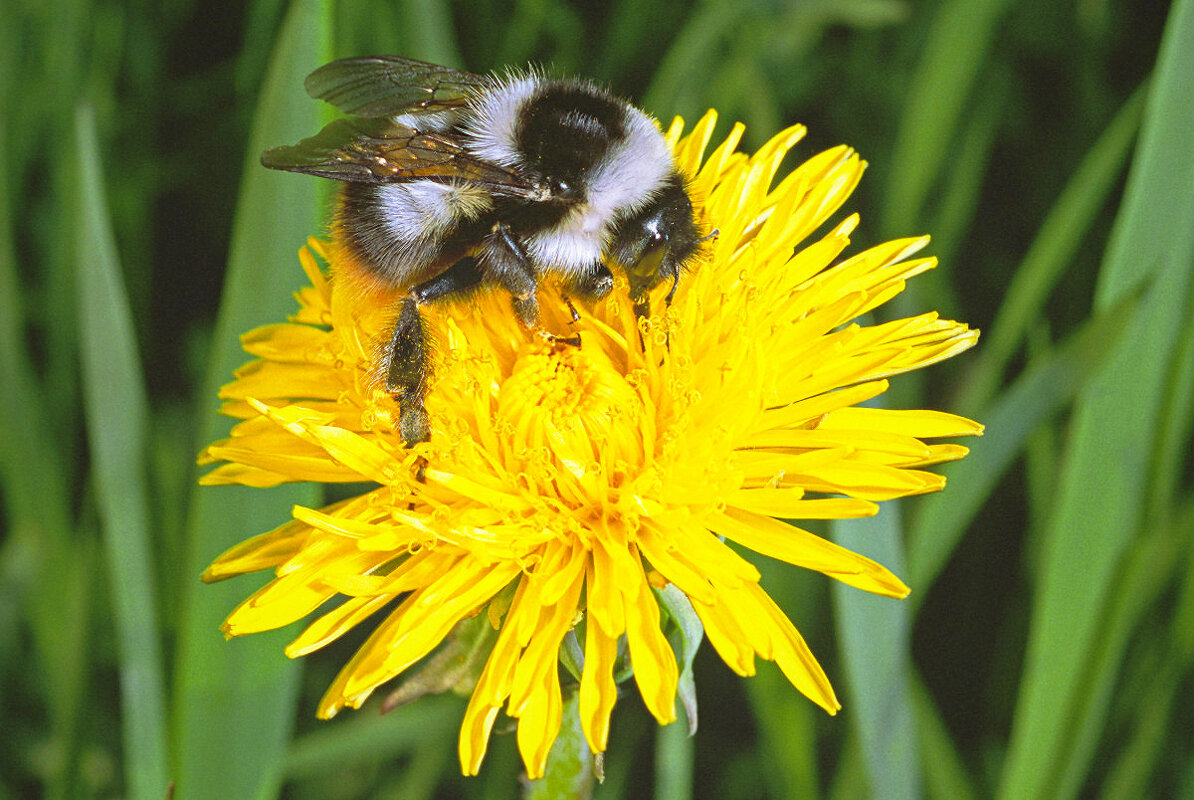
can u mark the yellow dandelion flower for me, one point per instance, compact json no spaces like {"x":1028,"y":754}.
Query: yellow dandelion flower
{"x":566,"y":486}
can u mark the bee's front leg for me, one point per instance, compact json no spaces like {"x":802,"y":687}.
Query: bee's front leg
{"x":593,"y":284}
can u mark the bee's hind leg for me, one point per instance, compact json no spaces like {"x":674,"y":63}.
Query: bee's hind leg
{"x":408,"y":365}
{"x":407,"y":371}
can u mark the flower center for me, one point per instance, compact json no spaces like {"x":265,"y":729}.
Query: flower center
{"x":570,"y":407}
{"x":557,"y":384}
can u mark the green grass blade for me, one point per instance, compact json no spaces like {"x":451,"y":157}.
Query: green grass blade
{"x":44,"y":555}
{"x":1052,"y":250}
{"x":32,"y":474}
{"x":787,"y":734}
{"x":1177,"y":424}
{"x":1186,"y":788}
{"x":260,"y":25}
{"x":958,"y":47}
{"x":415,"y":744}
{"x":117,"y":414}
{"x":422,"y":29}
{"x":1150,"y":742}
{"x":964,"y":183}
{"x":687,"y":64}
{"x":874,"y":633}
{"x":429,"y":31}
{"x":522,"y":33}
{"x":1036,"y":396}
{"x":418,"y":778}
{"x":944,"y":773}
{"x":1105,"y":481}
{"x":369,"y":738}
{"x":1043,"y":451}
{"x":235,"y":701}
{"x":63,"y":71}
{"x":1146,"y":572}
{"x":850,"y":778}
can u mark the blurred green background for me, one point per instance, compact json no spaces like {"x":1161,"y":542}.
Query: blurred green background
{"x":1047,"y":146}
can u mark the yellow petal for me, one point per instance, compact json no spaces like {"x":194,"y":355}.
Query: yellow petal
{"x":812,"y":408}
{"x":264,"y":551}
{"x":920,"y":424}
{"x":539,"y":724}
{"x":787,"y":503}
{"x":659,"y":548}
{"x":803,"y":549}
{"x":597,"y":688}
{"x":792,"y":655}
{"x":654,"y":663}
{"x":335,"y":623}
{"x":726,"y":636}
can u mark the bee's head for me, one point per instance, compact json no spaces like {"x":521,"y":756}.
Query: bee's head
{"x":657,"y":242}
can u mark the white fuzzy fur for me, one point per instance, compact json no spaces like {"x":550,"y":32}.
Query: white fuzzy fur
{"x":417,"y":214}
{"x":633,"y":170}
{"x":573,"y":246}
{"x":491,"y":124}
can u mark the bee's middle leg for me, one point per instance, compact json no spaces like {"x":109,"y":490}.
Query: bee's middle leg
{"x":508,"y":263}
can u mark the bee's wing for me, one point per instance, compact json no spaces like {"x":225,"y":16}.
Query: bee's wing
{"x":382,"y":151}
{"x":384,"y":86}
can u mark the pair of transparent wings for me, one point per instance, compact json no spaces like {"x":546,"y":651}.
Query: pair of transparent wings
{"x":370,"y":147}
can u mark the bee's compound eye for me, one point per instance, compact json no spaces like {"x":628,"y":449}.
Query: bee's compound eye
{"x":562,"y":189}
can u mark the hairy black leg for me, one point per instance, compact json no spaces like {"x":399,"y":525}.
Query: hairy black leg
{"x":456,"y":281}
{"x":527,"y":309}
{"x":595,"y":284}
{"x":571,"y":341}
{"x":673,"y":273}
{"x":409,"y":354}
{"x":407,"y":372}
{"x":507,"y":262}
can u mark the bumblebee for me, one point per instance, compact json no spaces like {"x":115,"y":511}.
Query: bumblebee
{"x":455,"y":183}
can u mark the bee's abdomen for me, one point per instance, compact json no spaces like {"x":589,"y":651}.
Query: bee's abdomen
{"x":403,"y":232}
